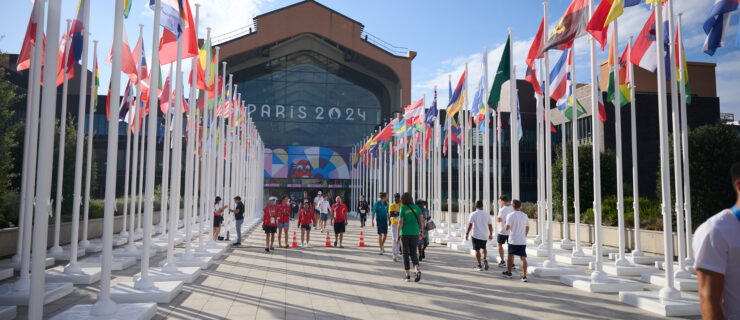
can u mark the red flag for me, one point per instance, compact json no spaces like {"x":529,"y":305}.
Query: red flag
{"x":107,"y":104}
{"x":536,"y":48}
{"x":531,"y":77}
{"x":168,"y":43}
{"x":164,"y":96}
{"x":60,"y":65}
{"x":571,"y":26}
{"x":602,"y":110}
{"x":128,"y":64}
{"x":596,"y":25}
{"x":24,"y":57}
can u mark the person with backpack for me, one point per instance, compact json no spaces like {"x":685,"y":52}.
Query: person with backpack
{"x":409,"y":233}
{"x":363,"y":209}
{"x":305,"y":219}
{"x":424,"y":242}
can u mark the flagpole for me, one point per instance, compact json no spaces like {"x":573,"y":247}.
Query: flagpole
{"x":44,"y":166}
{"x":621,"y":261}
{"x":73,"y":267}
{"x":140,"y":111}
{"x":449,"y":178}
{"x":540,"y":159}
{"x":88,"y":164}
{"x":514,"y":126}
{"x":164,"y":202}
{"x":565,"y":242}
{"x":127,"y":173}
{"x":681,"y":273}
{"x":145,"y":282}
{"x":685,"y":148}
{"x":637,"y":252}
{"x":550,"y":262}
{"x":56,"y":248}
{"x":577,"y":251}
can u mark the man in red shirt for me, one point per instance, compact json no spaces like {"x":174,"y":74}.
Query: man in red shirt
{"x":339,"y":219}
{"x":283,"y":220}
{"x":305,"y":219}
{"x":269,"y":223}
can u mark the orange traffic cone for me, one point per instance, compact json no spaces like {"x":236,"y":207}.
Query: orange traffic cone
{"x":295,"y":243}
{"x":362,"y":240}
{"x":328,"y":240}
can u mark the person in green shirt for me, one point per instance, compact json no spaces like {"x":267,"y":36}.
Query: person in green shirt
{"x":380,"y":216}
{"x":409,"y":226}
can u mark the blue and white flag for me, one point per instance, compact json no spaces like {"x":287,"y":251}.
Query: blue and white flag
{"x":717,"y":24}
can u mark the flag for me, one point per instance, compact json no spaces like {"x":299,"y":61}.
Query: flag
{"x":95,"y":84}
{"x":61,"y":63}
{"x":452,"y":133}
{"x":644,"y":53}
{"x":602,"y":110}
{"x":624,"y":90}
{"x":164,"y":96}
{"x":386,"y":133}
{"x":503,"y":74}
{"x":531,"y":77}
{"x":125,"y":111}
{"x":606,"y":13}
{"x":478,"y":109}
{"x":449,"y":87}
{"x":520,"y":130}
{"x":399,"y":129}
{"x":24,"y":57}
{"x":571,"y":26}
{"x":559,"y":80}
{"x":432,"y":112}
{"x":126,"y":8}
{"x":128,"y":63}
{"x":203,"y":84}
{"x":183,"y":20}
{"x":535,"y":50}
{"x":717,"y":24}
{"x":458,"y":97}
{"x":685,"y":74}
{"x":74,"y":39}
{"x":414,"y":113}
{"x":568,"y":112}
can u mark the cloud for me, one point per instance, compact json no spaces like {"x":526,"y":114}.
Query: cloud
{"x":728,"y":76}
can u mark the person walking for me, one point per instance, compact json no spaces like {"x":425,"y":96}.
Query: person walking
{"x":409,"y":234}
{"x":294,"y":206}
{"x":517,"y":223}
{"x":269,"y":223}
{"x":424,"y":242}
{"x":339,"y":220}
{"x":218,"y":217}
{"x":324,"y":208}
{"x":239,"y":218}
{"x":717,"y":247}
{"x":480,"y":223}
{"x":503,"y":233}
{"x":395,"y":209}
{"x":362,"y":210}
{"x":305,"y":220}
{"x":283,"y":221}
{"x":380,"y":216}
{"x":316,"y":202}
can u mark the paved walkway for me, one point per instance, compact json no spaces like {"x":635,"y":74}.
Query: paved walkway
{"x":357,"y":283}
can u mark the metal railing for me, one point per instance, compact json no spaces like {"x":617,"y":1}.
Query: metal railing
{"x":378,"y":42}
{"x":233,"y":34}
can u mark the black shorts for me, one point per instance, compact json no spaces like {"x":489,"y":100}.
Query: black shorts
{"x":217,"y":220}
{"x":502,"y":238}
{"x":338,"y":227}
{"x":270,"y":229}
{"x":518,"y":249}
{"x":479,"y":244}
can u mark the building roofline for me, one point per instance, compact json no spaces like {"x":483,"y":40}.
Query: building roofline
{"x":307,"y":1}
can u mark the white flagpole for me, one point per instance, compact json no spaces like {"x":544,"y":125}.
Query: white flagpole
{"x":668,"y":292}
{"x":635,"y":174}
{"x":141,"y":119}
{"x":550,"y":262}
{"x":621,"y":261}
{"x":88,"y":164}
{"x":514,"y":125}
{"x":685,"y":148}
{"x":167,"y":147}
{"x":127,"y":174}
{"x":145,"y":282}
{"x":486,"y":139}
{"x":134,"y":126}
{"x":56,"y":248}
{"x":677,"y":156}
{"x":565,"y":243}
{"x":577,"y":251}
{"x":44,"y":166}
{"x":540,"y":162}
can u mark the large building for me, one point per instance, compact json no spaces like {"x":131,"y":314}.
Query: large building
{"x":315,"y":84}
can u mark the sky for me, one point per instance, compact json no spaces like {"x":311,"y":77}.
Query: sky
{"x":445,"y":34}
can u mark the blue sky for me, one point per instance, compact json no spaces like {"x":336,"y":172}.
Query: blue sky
{"x":446,"y":34}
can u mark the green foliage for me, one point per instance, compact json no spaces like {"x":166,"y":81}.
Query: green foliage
{"x":650,"y":213}
{"x":530,"y":208}
{"x":586,"y":182}
{"x":10,"y":94}
{"x":712,"y":151}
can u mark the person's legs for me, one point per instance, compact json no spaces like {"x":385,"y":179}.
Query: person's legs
{"x":308,"y":236}
{"x":303,"y":236}
{"x":239,"y":230}
{"x":267,"y":240}
{"x":509,"y":263}
{"x":524,"y":265}
{"x":501,"y":251}
{"x":341,"y":237}
{"x":477,"y":257}
{"x":395,"y":245}
{"x":286,"y":235}
{"x":410,"y":250}
{"x":382,"y":239}
{"x":280,"y":237}
{"x":406,"y":243}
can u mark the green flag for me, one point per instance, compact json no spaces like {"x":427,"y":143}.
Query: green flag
{"x":503,"y":74}
{"x":568,"y":112}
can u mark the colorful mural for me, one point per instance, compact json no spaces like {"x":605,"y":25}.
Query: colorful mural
{"x":307,"y":162}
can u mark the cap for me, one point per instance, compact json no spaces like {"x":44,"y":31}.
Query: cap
{"x":272,"y":198}
{"x":319,"y":191}
{"x":305,"y":200}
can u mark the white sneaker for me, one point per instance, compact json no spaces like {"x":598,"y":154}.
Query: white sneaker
{"x":308,"y":245}
{"x":301,"y":245}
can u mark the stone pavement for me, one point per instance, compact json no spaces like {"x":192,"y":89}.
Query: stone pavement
{"x":357,"y":283}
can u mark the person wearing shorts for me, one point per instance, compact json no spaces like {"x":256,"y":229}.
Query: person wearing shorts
{"x":339,"y":220}
{"x":316,"y":211}
{"x":517,"y":223}
{"x":380,"y":216}
{"x":305,"y":219}
{"x":217,"y":217}
{"x":324,"y":208}
{"x":503,"y":234}
{"x":269,"y":223}
{"x":480,"y":223}
{"x":283,"y":221}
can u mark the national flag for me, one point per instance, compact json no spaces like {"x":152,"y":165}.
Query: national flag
{"x":61,"y":65}
{"x":571,"y":26}
{"x":75,"y":41}
{"x":95,"y":83}
{"x":449,"y":87}
{"x":399,"y":129}
{"x":458,"y":97}
{"x":580,"y":110}
{"x":624,"y":90}
{"x":478,"y":109}
{"x":201,"y":68}
{"x":452,"y":131}
{"x":432,"y":112}
{"x":386,"y":133}
{"x":644,"y":53}
{"x":535,"y":50}
{"x":717,"y":24}
{"x":414,"y":113}
{"x":164,"y":96}
{"x":503,"y":74}
{"x":126,"y":8}
{"x":531,"y":77}
{"x":559,"y":80}
{"x":602,"y":110}
{"x":179,"y":19}
{"x":606,"y":13}
{"x":520,"y":130}
{"x":685,"y":74}
{"x":128,"y":63}
{"x":125,"y":111}
{"x":24,"y":57}
{"x":140,"y":54}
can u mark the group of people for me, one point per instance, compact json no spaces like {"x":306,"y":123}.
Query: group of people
{"x":218,"y":218}
{"x":310,"y":214}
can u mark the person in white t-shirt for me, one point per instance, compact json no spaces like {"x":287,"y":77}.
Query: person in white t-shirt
{"x":316,"y":201}
{"x":503,"y":234}
{"x":324,"y":208}
{"x":717,"y":248}
{"x":517,"y":223}
{"x":480,"y":223}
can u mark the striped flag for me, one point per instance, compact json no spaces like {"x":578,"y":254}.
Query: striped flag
{"x":717,"y":24}
{"x":559,"y":80}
